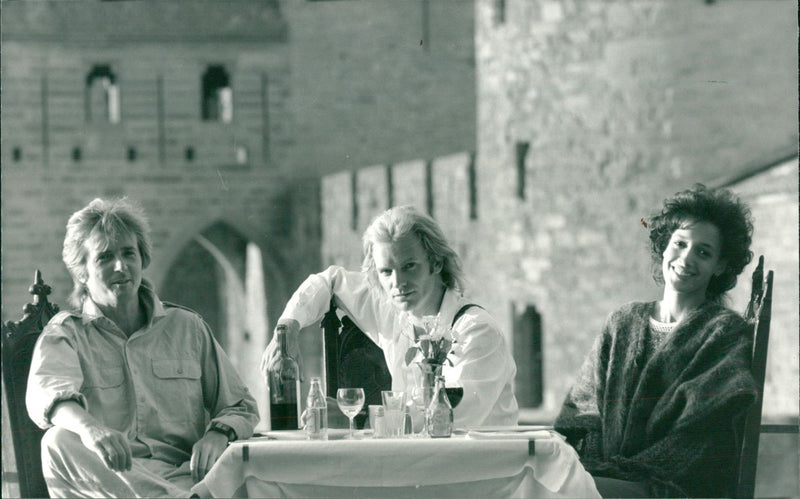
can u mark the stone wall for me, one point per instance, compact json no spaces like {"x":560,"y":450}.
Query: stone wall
{"x":772,"y":197}
{"x":589,"y":115}
{"x":44,"y":86}
{"x":315,"y":86}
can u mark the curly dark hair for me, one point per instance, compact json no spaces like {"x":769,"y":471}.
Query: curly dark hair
{"x":719,"y":207}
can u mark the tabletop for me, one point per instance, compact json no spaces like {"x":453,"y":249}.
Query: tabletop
{"x":478,"y":463}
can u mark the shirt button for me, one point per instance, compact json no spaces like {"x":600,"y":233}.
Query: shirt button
{"x":180,"y":370}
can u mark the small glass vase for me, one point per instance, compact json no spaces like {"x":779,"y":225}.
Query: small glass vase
{"x":429,"y":372}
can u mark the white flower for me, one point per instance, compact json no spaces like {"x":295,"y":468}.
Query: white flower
{"x":429,"y":322}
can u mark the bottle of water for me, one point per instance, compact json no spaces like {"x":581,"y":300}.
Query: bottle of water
{"x":316,"y":422}
{"x":439,"y":415}
{"x":284,"y":387}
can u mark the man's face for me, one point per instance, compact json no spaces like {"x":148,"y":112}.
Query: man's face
{"x":407,"y":277}
{"x":113,"y":270}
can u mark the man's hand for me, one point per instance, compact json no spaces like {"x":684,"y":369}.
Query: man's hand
{"x":205,"y":453}
{"x":271,"y":353}
{"x":110,"y":445}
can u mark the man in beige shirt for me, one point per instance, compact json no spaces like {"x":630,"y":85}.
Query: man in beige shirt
{"x":139,"y":398}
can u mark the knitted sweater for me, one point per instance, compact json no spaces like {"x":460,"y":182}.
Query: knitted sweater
{"x":673,"y":418}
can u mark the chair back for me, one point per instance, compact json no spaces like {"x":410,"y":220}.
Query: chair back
{"x":352,"y":360}
{"x":18,"y":339}
{"x":758,"y":313}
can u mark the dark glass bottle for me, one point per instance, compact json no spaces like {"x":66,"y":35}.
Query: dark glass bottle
{"x":439,"y":415}
{"x":284,"y":387}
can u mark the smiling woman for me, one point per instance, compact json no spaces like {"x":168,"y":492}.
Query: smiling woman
{"x":656,"y":410}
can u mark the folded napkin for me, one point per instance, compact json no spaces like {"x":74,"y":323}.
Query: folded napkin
{"x":508,"y":428}
{"x":511,"y":435}
{"x":333,"y":434}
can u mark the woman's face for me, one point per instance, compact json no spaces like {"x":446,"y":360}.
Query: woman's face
{"x":406,"y":275}
{"x":113,"y":270}
{"x":692,"y":258}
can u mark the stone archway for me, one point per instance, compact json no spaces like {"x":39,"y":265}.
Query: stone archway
{"x":219,"y":274}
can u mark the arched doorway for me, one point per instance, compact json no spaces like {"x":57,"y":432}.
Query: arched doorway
{"x":219,"y":274}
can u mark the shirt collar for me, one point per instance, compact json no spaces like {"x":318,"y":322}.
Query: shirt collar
{"x":451,"y":303}
{"x":153,"y":307}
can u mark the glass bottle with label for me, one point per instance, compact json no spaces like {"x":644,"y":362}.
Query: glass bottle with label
{"x":316,"y":422}
{"x":439,"y":415}
{"x":283,"y":380}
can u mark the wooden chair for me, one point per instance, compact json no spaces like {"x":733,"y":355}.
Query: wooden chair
{"x":353,"y":360}
{"x":18,"y":340}
{"x":758,"y":314}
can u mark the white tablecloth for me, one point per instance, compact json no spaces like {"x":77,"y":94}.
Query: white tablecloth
{"x":461,"y":466}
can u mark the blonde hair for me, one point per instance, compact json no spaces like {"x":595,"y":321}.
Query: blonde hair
{"x":110,"y":219}
{"x":401,"y":221}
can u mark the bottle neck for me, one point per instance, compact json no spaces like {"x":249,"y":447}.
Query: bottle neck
{"x":282,"y":343}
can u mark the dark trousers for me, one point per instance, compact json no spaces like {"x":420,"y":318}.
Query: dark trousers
{"x":612,"y":487}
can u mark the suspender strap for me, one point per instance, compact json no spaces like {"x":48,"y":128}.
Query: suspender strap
{"x":461,"y":312}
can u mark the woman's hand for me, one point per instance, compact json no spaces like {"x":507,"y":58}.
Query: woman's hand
{"x":271,"y":353}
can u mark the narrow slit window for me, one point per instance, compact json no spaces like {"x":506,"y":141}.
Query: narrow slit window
{"x":354,"y":199}
{"x":499,"y":11}
{"x":102,"y":95}
{"x":429,"y":187}
{"x":522,"y":155}
{"x":217,"y":102}
{"x":528,"y":355}
{"x":473,"y":188}
{"x":390,"y":185}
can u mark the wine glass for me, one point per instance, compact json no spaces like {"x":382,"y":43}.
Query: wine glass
{"x":455,"y":392}
{"x":350,"y":401}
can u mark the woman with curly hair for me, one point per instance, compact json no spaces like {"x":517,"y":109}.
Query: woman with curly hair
{"x":657,"y":409}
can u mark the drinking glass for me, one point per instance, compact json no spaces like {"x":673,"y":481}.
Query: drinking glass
{"x":377,"y":420}
{"x":350,"y":401}
{"x":394,"y":403}
{"x":455,"y":392}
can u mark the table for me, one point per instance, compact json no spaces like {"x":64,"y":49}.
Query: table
{"x":476,"y":464}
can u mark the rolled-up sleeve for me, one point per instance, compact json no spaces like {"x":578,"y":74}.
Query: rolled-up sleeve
{"x":55,"y":374}
{"x":352,"y":294}
{"x":226,"y":397}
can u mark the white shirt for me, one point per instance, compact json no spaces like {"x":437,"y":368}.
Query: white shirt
{"x":482,"y":362}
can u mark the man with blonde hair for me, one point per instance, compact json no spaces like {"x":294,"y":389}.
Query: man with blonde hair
{"x":410,"y":272}
{"x":138,"y":397}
